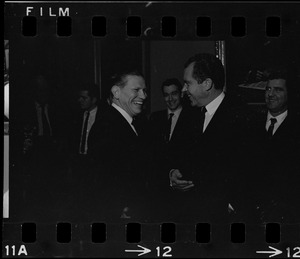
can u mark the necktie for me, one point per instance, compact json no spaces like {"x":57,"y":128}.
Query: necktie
{"x":271,"y":127}
{"x":46,"y":128}
{"x":83,"y":138}
{"x":168,"y":135}
{"x":135,"y":124}
{"x":202,"y":118}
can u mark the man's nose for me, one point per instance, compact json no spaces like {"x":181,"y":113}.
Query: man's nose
{"x":142,"y":94}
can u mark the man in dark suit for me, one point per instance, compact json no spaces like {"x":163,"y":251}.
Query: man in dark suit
{"x":202,"y":179}
{"x":81,"y":144}
{"x":90,"y":112}
{"x":119,"y":190}
{"x":169,"y":125}
{"x":170,"y":131}
{"x":41,"y":123}
{"x":278,"y":149}
{"x":40,"y":117}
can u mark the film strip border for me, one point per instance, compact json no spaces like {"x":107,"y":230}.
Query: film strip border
{"x":152,"y":20}
{"x":167,"y":233}
{"x":168,"y":28}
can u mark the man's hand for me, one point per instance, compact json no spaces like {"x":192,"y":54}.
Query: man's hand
{"x":182,"y":185}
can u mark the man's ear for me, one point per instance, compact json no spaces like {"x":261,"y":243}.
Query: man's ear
{"x":115,"y":90}
{"x":208,"y":84}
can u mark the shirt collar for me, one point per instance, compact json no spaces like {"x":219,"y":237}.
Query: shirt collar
{"x":176,"y":112}
{"x":214,"y":104}
{"x":38,"y":105}
{"x":123,"y":112}
{"x":93,"y":111}
{"x":279,"y":117}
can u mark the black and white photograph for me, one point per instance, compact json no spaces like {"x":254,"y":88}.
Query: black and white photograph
{"x":151,"y":129}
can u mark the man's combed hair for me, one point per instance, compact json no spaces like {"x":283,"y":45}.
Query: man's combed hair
{"x":207,"y":66}
{"x":278,"y":73}
{"x":171,"y":81}
{"x":92,"y":88}
{"x":120,"y":79}
{"x":289,"y":74}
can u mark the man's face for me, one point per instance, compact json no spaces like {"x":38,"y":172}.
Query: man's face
{"x":172,"y":97}
{"x":132,"y":96}
{"x":195,"y":91}
{"x":276,"y":96}
{"x":86,"y":102}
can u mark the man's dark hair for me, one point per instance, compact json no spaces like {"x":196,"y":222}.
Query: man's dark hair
{"x":120,"y":79}
{"x":171,"y":81}
{"x":207,"y":66}
{"x":289,"y":74}
{"x":278,"y":73}
{"x":93,"y":89}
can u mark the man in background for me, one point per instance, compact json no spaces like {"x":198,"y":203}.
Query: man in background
{"x":277,"y":148}
{"x":82,"y":137}
{"x":169,"y":132}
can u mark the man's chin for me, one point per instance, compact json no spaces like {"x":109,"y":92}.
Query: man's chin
{"x":173,"y":108}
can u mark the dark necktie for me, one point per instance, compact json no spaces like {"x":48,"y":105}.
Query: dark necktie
{"x":46,"y":128}
{"x":202,"y":118}
{"x":271,"y":127}
{"x":168,"y":135}
{"x":135,"y":124}
{"x":83,"y":139}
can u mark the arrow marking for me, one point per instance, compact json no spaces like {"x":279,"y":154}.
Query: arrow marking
{"x":142,"y":252}
{"x":273,"y":253}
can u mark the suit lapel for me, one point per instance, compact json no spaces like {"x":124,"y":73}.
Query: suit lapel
{"x":122,"y":124}
{"x":218,"y":119}
{"x":179,"y":125}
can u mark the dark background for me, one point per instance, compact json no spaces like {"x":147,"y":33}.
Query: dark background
{"x":70,"y":61}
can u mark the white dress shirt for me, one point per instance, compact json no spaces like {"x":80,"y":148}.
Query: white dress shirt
{"x":174,"y":118}
{"x":40,"y":120}
{"x":91,"y":121}
{"x":280,"y":118}
{"x":211,"y":109}
{"x":128,"y":118}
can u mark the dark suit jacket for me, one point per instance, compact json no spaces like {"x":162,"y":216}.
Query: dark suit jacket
{"x":75,"y":128}
{"x":212,"y":163}
{"x":27,"y":121}
{"x":275,"y":173}
{"x":29,"y":117}
{"x":120,"y":167}
{"x":164,"y":153}
{"x":159,"y":123}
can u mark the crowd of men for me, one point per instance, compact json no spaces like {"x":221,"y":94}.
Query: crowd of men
{"x":206,"y":158}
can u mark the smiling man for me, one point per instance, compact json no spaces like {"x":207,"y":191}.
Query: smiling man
{"x":120,"y":183}
{"x":276,"y":100}
{"x":203,"y":175}
{"x":165,"y":121}
{"x":278,"y":149}
{"x":128,"y":95}
{"x":170,"y":138}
